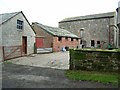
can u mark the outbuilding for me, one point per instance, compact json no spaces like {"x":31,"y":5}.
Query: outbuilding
{"x":95,"y":31}
{"x":54,"y":38}
{"x":17,"y":35}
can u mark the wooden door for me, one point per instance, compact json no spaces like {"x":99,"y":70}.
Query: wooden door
{"x":39,"y":42}
{"x":24,"y":45}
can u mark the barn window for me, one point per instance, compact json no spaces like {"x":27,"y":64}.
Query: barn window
{"x":72,"y":39}
{"x":98,"y":42}
{"x":77,"y":39}
{"x":59,"y":38}
{"x":66,"y":38}
{"x":19,"y":24}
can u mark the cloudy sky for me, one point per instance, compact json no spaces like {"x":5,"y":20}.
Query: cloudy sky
{"x":50,"y":12}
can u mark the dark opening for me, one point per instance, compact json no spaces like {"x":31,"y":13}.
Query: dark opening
{"x":67,"y":48}
{"x":59,"y":38}
{"x":98,"y":42}
{"x":76,"y":39}
{"x":66,"y":38}
{"x":72,"y":39}
{"x":92,"y":43}
{"x":80,"y":41}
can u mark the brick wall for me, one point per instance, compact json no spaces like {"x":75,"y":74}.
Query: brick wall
{"x":57,"y":45}
{"x":47,"y":38}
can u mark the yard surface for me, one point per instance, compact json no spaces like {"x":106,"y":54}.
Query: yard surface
{"x":42,"y":71}
{"x":58,"y":60}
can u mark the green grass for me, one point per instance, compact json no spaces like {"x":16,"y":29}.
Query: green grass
{"x":8,"y":62}
{"x":103,"y":77}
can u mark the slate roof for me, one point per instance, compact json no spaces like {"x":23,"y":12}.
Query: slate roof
{"x":56,"y":31}
{"x":87,"y":17}
{"x":6,"y":16}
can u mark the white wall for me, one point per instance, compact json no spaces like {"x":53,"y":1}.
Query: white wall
{"x":1,"y":52}
{"x":12,"y":36}
{"x":30,"y":35}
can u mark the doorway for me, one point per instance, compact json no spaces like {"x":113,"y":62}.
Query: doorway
{"x":24,"y":45}
{"x":92,"y":43}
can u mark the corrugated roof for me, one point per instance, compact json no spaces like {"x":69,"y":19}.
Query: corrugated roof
{"x":56,"y":31}
{"x":94,"y":16}
{"x":6,"y":16}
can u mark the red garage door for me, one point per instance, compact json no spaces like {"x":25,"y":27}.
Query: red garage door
{"x":39,"y":42}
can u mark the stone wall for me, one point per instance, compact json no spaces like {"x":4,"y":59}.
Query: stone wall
{"x":1,"y":50}
{"x":94,"y":29}
{"x":94,"y":59}
{"x":118,"y":24}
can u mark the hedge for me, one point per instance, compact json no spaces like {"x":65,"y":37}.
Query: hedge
{"x":94,"y":59}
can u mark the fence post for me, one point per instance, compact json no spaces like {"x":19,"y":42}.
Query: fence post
{"x":71,"y":61}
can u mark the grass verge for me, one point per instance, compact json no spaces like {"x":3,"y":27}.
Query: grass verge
{"x":8,"y":62}
{"x":102,"y":77}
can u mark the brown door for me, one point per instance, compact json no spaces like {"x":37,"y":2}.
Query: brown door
{"x":24,"y":45}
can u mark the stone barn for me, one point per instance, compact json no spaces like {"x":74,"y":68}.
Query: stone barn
{"x":96,"y":31}
{"x":18,"y":37}
{"x":53,"y":37}
{"x":118,"y":24}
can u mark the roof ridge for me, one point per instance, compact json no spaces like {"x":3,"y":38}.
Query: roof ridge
{"x":8,"y":16}
{"x":10,"y":13}
{"x":89,"y":15}
{"x":56,"y":31}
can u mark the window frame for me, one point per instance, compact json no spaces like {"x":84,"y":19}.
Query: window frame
{"x":20,"y":24}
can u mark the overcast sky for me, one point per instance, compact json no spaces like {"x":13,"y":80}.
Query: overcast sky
{"x":50,"y":12}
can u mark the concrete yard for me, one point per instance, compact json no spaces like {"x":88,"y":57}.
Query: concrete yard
{"x":58,"y":60}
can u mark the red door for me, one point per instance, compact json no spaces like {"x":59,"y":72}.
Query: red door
{"x":39,"y":42}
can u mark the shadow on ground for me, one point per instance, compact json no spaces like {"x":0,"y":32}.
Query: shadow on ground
{"x":23,"y":76}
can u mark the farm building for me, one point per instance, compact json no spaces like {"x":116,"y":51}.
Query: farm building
{"x":54,"y":38}
{"x":17,"y":35}
{"x":96,"y":31}
{"x":118,"y":24}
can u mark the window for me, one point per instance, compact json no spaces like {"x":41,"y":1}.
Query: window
{"x":19,"y":24}
{"x":98,"y":42}
{"x":66,"y":38}
{"x":81,"y":33}
{"x":92,"y":43}
{"x":72,"y":39}
{"x":77,"y":39}
{"x":59,"y":38}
